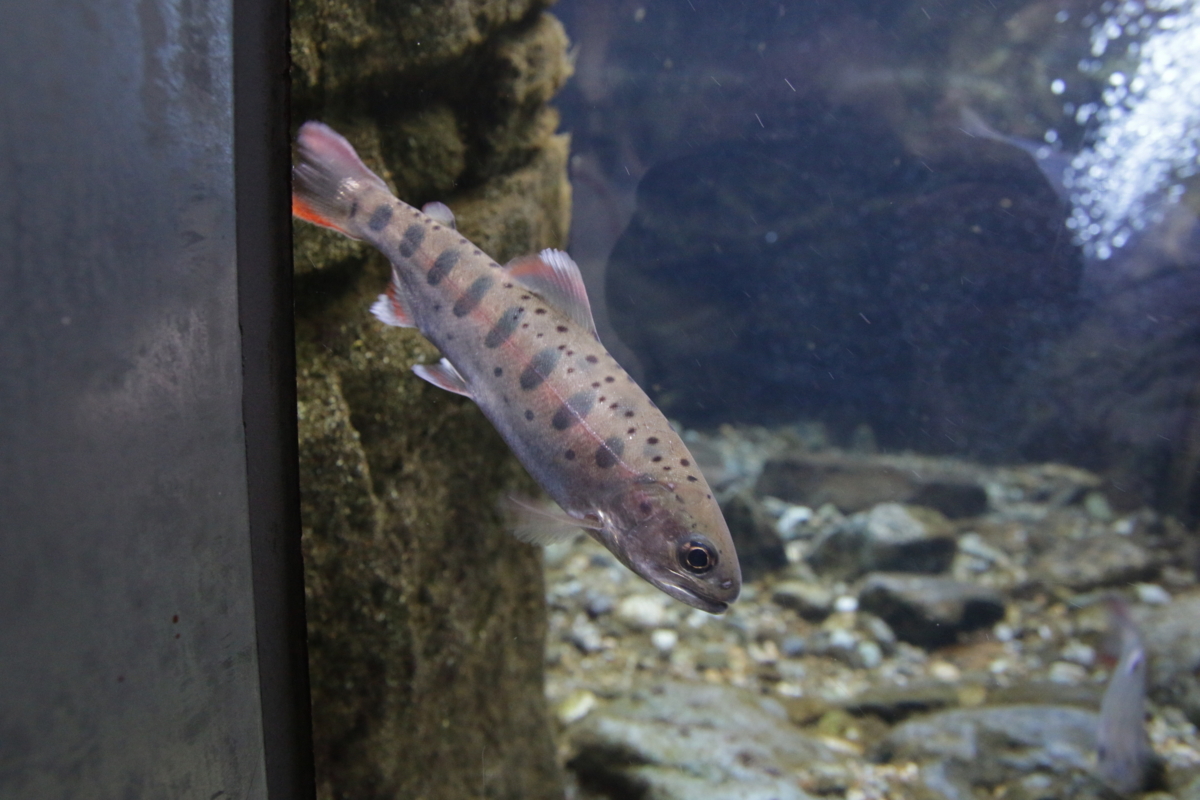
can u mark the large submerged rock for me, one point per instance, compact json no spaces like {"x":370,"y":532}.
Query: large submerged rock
{"x":426,"y":620}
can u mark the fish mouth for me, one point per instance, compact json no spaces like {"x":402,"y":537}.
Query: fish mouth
{"x":694,"y":600}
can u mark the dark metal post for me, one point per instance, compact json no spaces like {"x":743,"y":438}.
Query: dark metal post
{"x":151,"y":610}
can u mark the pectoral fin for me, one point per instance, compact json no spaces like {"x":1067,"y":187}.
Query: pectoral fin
{"x":534,"y":523}
{"x":444,"y":376}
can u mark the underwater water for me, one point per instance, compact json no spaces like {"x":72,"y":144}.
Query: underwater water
{"x":920,"y":282}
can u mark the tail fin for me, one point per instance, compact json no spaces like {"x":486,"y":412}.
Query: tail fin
{"x":327,"y":177}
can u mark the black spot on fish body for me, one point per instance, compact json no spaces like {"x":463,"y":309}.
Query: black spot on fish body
{"x":652,"y":440}
{"x":411,"y":240}
{"x":569,"y":455}
{"x":575,"y":408}
{"x":684,"y":462}
{"x":380,"y":217}
{"x":442,"y":266}
{"x":609,"y":452}
{"x":468,"y":301}
{"x":498,"y":371}
{"x":503,"y":328}
{"x":539,"y":368}
{"x":692,"y":478}
{"x":529,"y":415}
{"x":561,"y":328}
{"x":592,"y":359}
{"x":353,"y":209}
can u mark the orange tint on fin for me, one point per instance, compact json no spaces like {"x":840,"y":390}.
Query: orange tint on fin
{"x":305,"y":212}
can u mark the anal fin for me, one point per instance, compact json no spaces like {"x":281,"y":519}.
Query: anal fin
{"x":390,"y":309}
{"x":444,"y":376}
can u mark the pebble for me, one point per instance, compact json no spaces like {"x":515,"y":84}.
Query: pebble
{"x":811,"y":601}
{"x":791,"y":520}
{"x":1079,"y":653}
{"x":586,"y":636}
{"x":664,"y":640}
{"x":846,"y":604}
{"x":598,"y":604}
{"x":870,"y":654}
{"x":1097,"y":507}
{"x":793,"y":646}
{"x":1152,"y":594}
{"x":944,"y":671}
{"x":577,"y":705}
{"x":1066,"y":672}
{"x":642,"y":611}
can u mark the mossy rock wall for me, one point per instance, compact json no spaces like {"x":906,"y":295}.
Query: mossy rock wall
{"x":426,"y":620}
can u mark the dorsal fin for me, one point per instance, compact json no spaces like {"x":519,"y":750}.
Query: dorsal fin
{"x":553,"y":275}
{"x":440,"y":212}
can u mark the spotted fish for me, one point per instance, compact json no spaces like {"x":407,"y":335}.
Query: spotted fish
{"x":520,"y":341}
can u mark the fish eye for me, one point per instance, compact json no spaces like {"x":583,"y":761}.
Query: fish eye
{"x":697,"y":557}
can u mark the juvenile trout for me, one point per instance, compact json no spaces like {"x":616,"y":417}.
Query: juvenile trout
{"x":520,"y":341}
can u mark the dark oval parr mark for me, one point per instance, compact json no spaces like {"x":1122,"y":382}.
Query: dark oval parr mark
{"x":411,"y":241}
{"x":608,"y":453}
{"x":442,"y":266}
{"x":504,"y":327}
{"x":468,"y":301}
{"x":574,"y":409}
{"x":380,"y":217}
{"x":539,"y":368}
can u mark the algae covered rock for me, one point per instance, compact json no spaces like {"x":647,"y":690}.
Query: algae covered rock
{"x":426,"y":619}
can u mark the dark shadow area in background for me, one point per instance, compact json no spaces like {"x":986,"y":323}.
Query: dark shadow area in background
{"x":785,"y":217}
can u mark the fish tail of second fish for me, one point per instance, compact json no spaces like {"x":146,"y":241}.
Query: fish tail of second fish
{"x":328,"y":178}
